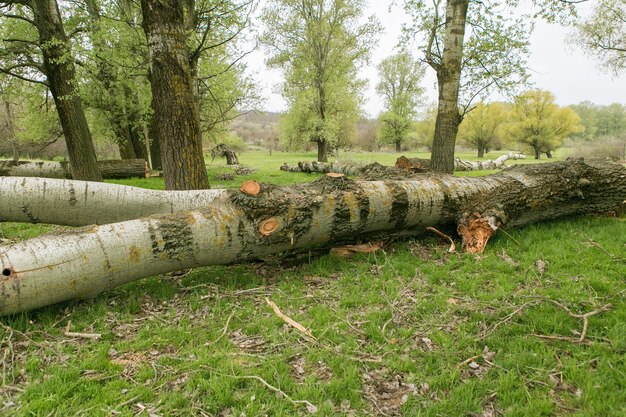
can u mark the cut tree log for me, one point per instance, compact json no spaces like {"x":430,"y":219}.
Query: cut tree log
{"x":240,"y":227}
{"x":403,"y":163}
{"x":81,"y":203}
{"x":109,"y":169}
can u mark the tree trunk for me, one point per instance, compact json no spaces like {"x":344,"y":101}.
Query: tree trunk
{"x":548,"y":153}
{"x":155,"y":147}
{"x":449,"y":81}
{"x":175,"y":112}
{"x":81,"y":203}
{"x":61,"y":77}
{"x":15,"y":153}
{"x":537,"y":153}
{"x":333,"y":210}
{"x":108,"y":169}
{"x":398,"y":146}
{"x":481,"y":150}
{"x":224,"y":151}
{"x":322,"y":150}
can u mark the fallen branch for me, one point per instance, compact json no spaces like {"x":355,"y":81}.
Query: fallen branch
{"x":223,"y":331}
{"x":585,"y":316}
{"x":452,"y":247}
{"x":68,"y":333}
{"x":81,"y":203}
{"x":288,"y":319}
{"x":310,"y":407}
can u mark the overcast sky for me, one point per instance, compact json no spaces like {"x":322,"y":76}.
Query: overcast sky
{"x":555,"y":65}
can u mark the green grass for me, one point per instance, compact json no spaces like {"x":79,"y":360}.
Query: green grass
{"x":195,"y":343}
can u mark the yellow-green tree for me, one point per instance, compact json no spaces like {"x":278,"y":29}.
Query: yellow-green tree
{"x":483,"y":126}
{"x":539,"y":123}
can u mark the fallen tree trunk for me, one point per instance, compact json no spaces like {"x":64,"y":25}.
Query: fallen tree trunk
{"x":498,"y":163}
{"x":109,"y":169}
{"x":403,"y":163}
{"x":80,"y":203}
{"x":258,"y":221}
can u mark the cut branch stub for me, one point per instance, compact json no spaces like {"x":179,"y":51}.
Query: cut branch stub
{"x":334,"y":175}
{"x":250,"y":187}
{"x":269,"y":226}
{"x":476,"y":231}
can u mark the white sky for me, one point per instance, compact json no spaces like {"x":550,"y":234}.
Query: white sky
{"x":555,"y":65}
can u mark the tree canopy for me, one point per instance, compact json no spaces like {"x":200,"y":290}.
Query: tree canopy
{"x":603,"y":34}
{"x":400,"y":78}
{"x":483,"y":127}
{"x":319,"y":45}
{"x":540,"y":124}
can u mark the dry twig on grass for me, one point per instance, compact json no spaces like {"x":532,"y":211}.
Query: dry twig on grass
{"x":310,"y":407}
{"x":223,"y":331}
{"x":452,"y":248}
{"x":289,"y":320}
{"x":94,"y":336}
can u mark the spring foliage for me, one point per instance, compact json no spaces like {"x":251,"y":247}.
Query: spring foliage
{"x":540,"y":124}
{"x":319,"y":45}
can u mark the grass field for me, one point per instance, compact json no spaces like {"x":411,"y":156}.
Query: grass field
{"x":410,"y":330}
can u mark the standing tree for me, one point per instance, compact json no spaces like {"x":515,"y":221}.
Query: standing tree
{"x":58,"y":67}
{"x":319,"y":45}
{"x":473,"y":48}
{"x":176,"y":113}
{"x":400,"y":78}
{"x":538,"y":122}
{"x":603,"y":34}
{"x":483,"y":126}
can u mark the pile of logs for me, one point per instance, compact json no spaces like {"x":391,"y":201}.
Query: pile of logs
{"x":414,"y":165}
{"x":198,"y":228}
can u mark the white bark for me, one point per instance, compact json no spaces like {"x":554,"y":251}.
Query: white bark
{"x":499,"y":163}
{"x":49,"y":169}
{"x":109,"y":169}
{"x":79,"y":203}
{"x":241,"y":227}
{"x":55,"y":268}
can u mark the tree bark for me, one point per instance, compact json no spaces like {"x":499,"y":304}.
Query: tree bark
{"x":81,"y":203}
{"x":108,"y":169}
{"x":333,"y":210}
{"x":61,"y":78}
{"x":498,"y":163}
{"x":175,"y":112}
{"x":155,"y":147}
{"x":15,"y":153}
{"x":224,"y":151}
{"x":448,"y":82}
{"x":322,"y":150}
{"x":481,"y":150}
{"x":402,"y":165}
{"x":398,"y":146}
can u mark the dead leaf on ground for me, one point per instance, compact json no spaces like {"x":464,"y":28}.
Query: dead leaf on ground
{"x":541,"y":266}
{"x":387,"y":391}
{"x":348,"y":251}
{"x":506,"y":258}
{"x":251,"y":343}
